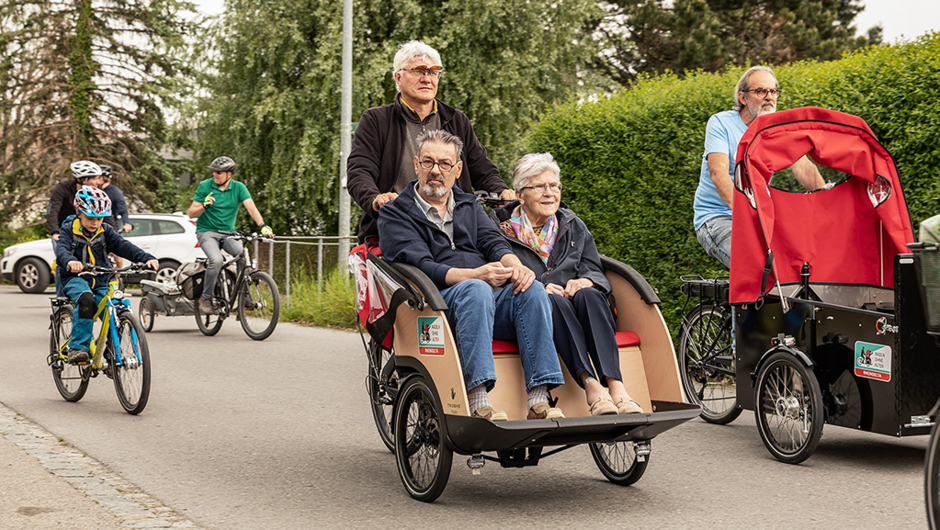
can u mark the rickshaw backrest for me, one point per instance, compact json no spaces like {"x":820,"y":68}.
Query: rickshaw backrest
{"x":848,"y":234}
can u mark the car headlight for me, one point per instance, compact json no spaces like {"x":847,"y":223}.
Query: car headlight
{"x":9,"y":251}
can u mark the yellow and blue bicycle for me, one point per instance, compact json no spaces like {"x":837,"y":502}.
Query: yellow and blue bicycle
{"x":120,"y":351}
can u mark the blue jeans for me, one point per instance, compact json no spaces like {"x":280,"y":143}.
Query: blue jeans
{"x":212,"y":243}
{"x":82,"y":328}
{"x":715,"y":237}
{"x":478,"y":314}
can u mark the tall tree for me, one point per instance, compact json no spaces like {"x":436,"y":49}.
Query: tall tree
{"x":274,"y":95}
{"x":652,"y":36}
{"x":86,"y":79}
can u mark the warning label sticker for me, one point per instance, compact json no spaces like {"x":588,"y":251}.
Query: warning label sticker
{"x":430,"y":335}
{"x":873,"y":361}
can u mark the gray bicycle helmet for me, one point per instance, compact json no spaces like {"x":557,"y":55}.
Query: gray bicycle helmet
{"x":84,"y":169}
{"x":106,"y":171}
{"x":223,"y":163}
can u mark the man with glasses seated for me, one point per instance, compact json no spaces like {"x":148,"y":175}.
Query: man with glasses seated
{"x":755,"y":95}
{"x":380,"y":161}
{"x":435,"y":226}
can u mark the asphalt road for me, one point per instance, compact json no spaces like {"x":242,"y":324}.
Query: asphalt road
{"x":278,"y":434}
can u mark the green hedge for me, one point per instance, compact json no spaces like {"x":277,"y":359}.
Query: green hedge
{"x":630,"y":164}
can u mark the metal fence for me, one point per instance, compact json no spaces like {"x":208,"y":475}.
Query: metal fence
{"x":299,"y":254}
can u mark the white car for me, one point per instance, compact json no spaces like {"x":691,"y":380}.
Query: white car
{"x":169,"y":237}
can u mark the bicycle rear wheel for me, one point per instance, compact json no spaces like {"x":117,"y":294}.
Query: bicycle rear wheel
{"x":259,"y":305}
{"x":132,"y":371}
{"x":932,"y":479}
{"x":71,"y":380}
{"x":706,"y":358}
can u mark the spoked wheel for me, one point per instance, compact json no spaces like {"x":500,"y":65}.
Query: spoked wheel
{"x":259,"y":305}
{"x":932,"y":479}
{"x":382,"y":385}
{"x":145,"y":313}
{"x":788,"y":408}
{"x":423,"y":457}
{"x":706,"y":355}
{"x":209,"y":323}
{"x":620,"y":461}
{"x":70,"y":379}
{"x":132,"y":374}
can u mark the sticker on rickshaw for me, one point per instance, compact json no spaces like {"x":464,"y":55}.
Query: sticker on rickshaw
{"x":873,"y":361}
{"x":430,"y":335}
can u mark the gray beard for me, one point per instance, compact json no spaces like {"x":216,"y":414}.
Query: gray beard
{"x":437,"y":193}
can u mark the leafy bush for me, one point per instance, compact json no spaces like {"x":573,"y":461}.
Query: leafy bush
{"x":631,"y":163}
{"x":335,"y":305}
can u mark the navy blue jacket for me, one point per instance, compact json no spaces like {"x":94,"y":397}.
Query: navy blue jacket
{"x":119,"y":215}
{"x":406,"y":235}
{"x":92,"y":249}
{"x":574,"y":254}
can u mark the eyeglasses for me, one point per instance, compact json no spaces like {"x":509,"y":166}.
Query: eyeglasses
{"x":763,"y":92}
{"x":421,"y":72}
{"x":429,"y":164}
{"x":554,"y":187}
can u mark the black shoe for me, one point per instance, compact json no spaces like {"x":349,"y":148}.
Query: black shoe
{"x":78,"y":357}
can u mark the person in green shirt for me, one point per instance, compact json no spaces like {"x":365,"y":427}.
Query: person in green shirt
{"x":215,"y":206}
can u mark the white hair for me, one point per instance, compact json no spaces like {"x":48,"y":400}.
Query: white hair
{"x":410,"y":51}
{"x":533,"y":165}
{"x":743,"y":83}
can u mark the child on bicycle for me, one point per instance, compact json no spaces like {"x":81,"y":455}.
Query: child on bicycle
{"x":84,"y":239}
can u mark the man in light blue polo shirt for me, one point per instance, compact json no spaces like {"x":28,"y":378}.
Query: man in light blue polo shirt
{"x":215,"y":204}
{"x":755,"y":95}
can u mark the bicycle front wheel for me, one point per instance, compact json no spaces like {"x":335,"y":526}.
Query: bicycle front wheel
{"x":130,"y":364}
{"x":259,"y":305}
{"x":69,"y":378}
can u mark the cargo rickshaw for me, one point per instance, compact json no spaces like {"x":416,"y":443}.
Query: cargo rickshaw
{"x":828,"y":321}
{"x":419,"y":400}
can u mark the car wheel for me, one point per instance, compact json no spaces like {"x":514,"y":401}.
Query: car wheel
{"x":32,"y":275}
{"x":167,"y":272}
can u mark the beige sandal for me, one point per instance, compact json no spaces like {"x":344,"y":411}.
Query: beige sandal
{"x":603,"y":406}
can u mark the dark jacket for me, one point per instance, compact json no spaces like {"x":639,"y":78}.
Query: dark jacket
{"x":375,"y":157}
{"x":119,"y":215}
{"x":406,"y":235}
{"x":574,"y":254}
{"x":61,"y":205}
{"x":92,"y":249}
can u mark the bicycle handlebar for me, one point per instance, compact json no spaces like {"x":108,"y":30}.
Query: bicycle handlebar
{"x":91,"y":270}
{"x":246,"y":237}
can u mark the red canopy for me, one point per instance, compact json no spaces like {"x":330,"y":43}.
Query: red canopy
{"x":849,"y":233}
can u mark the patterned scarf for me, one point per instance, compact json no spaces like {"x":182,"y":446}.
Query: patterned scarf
{"x":541,"y":242}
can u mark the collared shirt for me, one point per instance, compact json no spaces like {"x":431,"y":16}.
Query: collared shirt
{"x":446,"y":224}
{"x":414,"y":127}
{"x":220,"y":217}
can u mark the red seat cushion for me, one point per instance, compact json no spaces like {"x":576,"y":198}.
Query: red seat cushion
{"x":627,"y":338}
{"x":624,"y":339}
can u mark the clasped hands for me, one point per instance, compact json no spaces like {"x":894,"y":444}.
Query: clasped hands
{"x":570,"y":288}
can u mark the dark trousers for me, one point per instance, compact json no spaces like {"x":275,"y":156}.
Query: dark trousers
{"x":584,"y":332}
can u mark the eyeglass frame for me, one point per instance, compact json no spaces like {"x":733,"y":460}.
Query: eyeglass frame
{"x":421,"y":72}
{"x":438,"y":164}
{"x":545,"y":187}
{"x":772,"y":92}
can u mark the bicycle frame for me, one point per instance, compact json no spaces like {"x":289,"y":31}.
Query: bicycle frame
{"x":231,"y":298}
{"x":112,"y":302}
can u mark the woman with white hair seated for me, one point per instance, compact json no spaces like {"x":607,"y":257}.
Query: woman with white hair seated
{"x":552,"y":241}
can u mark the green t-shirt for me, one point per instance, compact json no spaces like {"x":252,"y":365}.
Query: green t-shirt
{"x":220,"y":217}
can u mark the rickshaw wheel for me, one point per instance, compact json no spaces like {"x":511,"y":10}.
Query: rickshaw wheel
{"x":423,"y":458}
{"x":145,"y":313}
{"x":706,"y":355}
{"x":382,"y":385}
{"x":932,"y":479}
{"x":618,"y":461}
{"x":788,"y":408}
